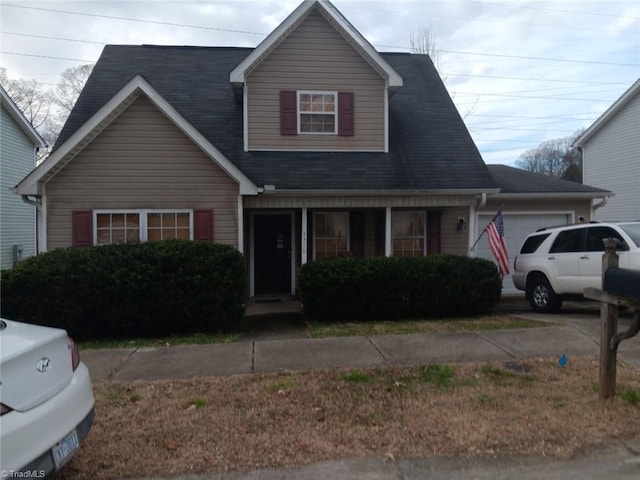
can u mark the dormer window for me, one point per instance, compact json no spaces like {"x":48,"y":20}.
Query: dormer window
{"x":317,"y":112}
{"x":306,"y":112}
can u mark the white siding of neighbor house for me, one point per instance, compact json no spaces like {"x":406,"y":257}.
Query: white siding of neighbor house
{"x":142,"y":160}
{"x":17,"y":224}
{"x":611,"y":161}
{"x":315,"y":57}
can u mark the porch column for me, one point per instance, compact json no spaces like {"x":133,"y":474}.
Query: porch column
{"x":240,"y":225}
{"x":303,"y":236}
{"x":387,"y":233}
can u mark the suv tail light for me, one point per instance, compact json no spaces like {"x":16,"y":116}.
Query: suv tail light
{"x":75,"y":353}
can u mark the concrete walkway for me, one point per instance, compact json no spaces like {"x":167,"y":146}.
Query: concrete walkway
{"x":575,"y":331}
{"x":274,"y":343}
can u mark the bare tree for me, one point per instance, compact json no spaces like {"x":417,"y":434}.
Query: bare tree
{"x":424,"y":42}
{"x":31,"y":99}
{"x":47,"y":110}
{"x":556,"y":158}
{"x":72,"y":82}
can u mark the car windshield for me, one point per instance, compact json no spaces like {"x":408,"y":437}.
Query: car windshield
{"x":633,"y":230}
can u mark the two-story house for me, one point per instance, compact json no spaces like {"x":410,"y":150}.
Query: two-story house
{"x":611,"y":156}
{"x":311,"y":145}
{"x":19,"y":144}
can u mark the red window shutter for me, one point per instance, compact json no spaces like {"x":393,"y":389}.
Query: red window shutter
{"x":433,"y":232}
{"x":203,"y":225}
{"x":82,"y":228}
{"x":346,"y":126}
{"x":288,"y":113}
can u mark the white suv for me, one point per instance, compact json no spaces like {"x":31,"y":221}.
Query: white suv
{"x":560,"y":262}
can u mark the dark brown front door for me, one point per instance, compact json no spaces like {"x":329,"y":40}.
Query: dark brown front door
{"x":272,"y":251}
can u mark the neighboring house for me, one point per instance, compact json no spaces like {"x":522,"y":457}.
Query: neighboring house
{"x":611,"y":156}
{"x":19,"y":144}
{"x":311,"y":145}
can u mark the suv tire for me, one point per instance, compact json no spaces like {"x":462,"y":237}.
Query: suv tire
{"x":541,"y":295}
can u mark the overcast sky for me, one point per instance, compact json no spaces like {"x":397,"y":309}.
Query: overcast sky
{"x":521,"y":72}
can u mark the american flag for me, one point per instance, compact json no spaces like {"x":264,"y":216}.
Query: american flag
{"x":495,"y":232}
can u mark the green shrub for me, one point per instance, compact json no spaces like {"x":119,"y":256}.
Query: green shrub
{"x":129,"y":290}
{"x":388,"y":288}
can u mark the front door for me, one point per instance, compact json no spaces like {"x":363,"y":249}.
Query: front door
{"x":272,"y":254}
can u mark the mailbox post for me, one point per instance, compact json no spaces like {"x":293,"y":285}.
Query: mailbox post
{"x":619,"y":287}
{"x":609,"y":318}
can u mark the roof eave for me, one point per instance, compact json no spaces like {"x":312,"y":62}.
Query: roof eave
{"x":24,"y":124}
{"x":379,"y":192}
{"x":554,"y":195}
{"x":608,"y":114}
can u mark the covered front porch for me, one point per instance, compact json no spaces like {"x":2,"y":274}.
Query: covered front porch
{"x":282,"y":233}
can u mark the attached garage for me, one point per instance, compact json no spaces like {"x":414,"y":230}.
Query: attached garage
{"x":530,"y":201}
{"x":517,"y":225}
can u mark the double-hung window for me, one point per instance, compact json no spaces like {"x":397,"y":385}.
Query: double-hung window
{"x":409,"y":233}
{"x":331,"y":234}
{"x":317,"y":112}
{"x":136,"y":226}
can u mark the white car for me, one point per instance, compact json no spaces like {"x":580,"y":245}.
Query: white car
{"x":560,"y":262}
{"x":46,"y":399}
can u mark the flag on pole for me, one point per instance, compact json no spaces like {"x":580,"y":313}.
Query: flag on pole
{"x":495,"y":232}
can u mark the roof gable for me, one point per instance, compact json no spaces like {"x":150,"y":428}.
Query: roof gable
{"x":137,"y":86}
{"x":612,"y":111}
{"x":16,"y":114}
{"x":338,"y":21}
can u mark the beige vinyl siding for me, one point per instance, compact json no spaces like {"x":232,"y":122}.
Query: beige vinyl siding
{"x":141,"y":160}
{"x":315,"y":57}
{"x":452,"y":240}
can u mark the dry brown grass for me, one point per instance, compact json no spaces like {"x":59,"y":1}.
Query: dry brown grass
{"x":256,"y":421}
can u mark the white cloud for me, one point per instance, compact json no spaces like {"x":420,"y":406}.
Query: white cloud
{"x":499,"y":59}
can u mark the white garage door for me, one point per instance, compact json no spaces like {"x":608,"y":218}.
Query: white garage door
{"x":516,"y":228}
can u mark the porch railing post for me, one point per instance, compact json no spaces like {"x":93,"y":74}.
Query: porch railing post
{"x":387,"y":233}
{"x":303,"y":236}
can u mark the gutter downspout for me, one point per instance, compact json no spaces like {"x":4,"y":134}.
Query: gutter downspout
{"x":33,"y":203}
{"x":483,"y":200}
{"x":602,"y":203}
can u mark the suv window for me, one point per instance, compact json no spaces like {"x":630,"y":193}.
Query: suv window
{"x":569,"y":241}
{"x":596,"y":236}
{"x":532,"y":243}
{"x":633,"y":230}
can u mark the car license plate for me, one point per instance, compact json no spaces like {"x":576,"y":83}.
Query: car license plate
{"x":65,"y":448}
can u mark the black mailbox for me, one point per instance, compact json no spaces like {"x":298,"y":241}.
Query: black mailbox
{"x":622,"y":282}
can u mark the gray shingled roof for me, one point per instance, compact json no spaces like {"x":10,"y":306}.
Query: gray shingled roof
{"x":514,"y":180}
{"x":430,"y":147}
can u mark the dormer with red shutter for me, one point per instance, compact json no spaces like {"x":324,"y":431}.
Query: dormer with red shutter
{"x":315,"y":84}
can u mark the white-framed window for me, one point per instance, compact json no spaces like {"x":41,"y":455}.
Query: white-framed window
{"x":317,"y":112}
{"x":137,"y":226}
{"x":330,"y":234}
{"x":409,"y":231}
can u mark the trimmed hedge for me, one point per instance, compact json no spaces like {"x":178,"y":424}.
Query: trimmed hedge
{"x":392,"y":288}
{"x":129,"y":290}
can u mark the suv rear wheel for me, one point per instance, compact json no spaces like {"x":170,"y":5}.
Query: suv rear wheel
{"x":541,"y":296}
